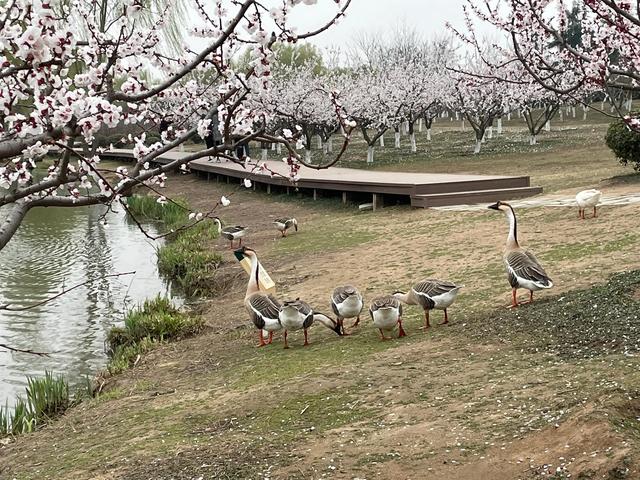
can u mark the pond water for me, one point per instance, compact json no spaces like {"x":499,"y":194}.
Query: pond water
{"x":58,"y":248}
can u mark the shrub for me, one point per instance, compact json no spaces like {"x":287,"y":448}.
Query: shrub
{"x":157,"y":321}
{"x":173,"y":216}
{"x":625,"y":143}
{"x":189,"y":261}
{"x":47,"y":398}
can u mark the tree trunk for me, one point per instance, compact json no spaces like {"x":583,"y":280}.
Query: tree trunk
{"x":457,"y":116}
{"x":584,"y":113}
{"x":406,"y":128}
{"x":370,"y":149}
{"x":420,"y":125}
{"x":533,"y":140}
{"x":499,"y":131}
{"x":265,"y":154}
{"x":561,"y":115}
{"x":573,"y":111}
{"x":490,"y":132}
{"x":414,"y":147}
{"x":508,"y":116}
{"x":397,"y":135}
{"x":330,"y":145}
{"x":307,"y":154}
{"x":319,"y":142}
{"x":428,"y":134}
{"x":476,"y":150}
{"x":382,"y":140}
{"x":463,"y":124}
{"x":547,"y":126}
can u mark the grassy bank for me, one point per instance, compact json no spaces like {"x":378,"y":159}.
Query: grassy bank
{"x":187,"y":258}
{"x":546,"y":390}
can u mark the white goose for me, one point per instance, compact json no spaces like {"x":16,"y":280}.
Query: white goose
{"x":231,"y":233}
{"x":298,"y":315}
{"x":263,"y":308}
{"x":386,"y":313}
{"x":284,"y":224}
{"x":586,"y":199}
{"x":347,"y":302}
{"x":523,"y":268}
{"x":431,"y":294}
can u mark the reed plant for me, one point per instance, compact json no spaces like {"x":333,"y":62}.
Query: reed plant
{"x":46,"y":398}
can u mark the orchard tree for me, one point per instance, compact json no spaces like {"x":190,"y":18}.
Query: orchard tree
{"x":604,"y":55}
{"x":478,"y":96}
{"x":67,"y":74}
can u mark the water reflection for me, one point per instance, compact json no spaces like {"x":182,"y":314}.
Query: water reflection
{"x":58,"y":248}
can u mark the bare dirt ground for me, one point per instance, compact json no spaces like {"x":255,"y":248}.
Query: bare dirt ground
{"x":471,"y":400}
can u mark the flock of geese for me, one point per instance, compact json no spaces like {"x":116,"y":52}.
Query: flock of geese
{"x":269,"y":315}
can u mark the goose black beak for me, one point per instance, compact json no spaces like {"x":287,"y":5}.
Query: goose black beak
{"x":495,"y":206}
{"x":241,"y":250}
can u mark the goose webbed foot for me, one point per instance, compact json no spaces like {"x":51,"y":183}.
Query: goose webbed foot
{"x":427,"y":325}
{"x":446,"y":318}
{"x":382,"y":337}
{"x":357,"y":322}
{"x":262,"y":342}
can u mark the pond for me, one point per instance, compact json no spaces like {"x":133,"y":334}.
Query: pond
{"x":55,"y":249}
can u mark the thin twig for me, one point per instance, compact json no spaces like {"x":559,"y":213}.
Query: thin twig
{"x":8,"y":306}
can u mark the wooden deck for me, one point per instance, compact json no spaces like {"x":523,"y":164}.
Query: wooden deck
{"x":422,"y":190}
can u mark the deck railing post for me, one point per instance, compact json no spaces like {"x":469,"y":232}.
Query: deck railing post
{"x":377,"y":201}
{"x":344,"y":197}
{"x":315,"y":194}
{"x":268,"y":188}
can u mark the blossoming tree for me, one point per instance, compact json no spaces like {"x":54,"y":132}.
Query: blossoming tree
{"x":66,"y":75}
{"x":606,"y":57}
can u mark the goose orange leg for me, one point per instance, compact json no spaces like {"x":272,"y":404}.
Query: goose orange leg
{"x":270,"y":338}
{"x":446,"y":318}
{"x":382,"y":335}
{"x":286,"y":345}
{"x":514,"y":298}
{"x":357,"y":322}
{"x":306,"y":339}
{"x":426,"y":319}
{"x":595,"y":213}
{"x":401,"y":332}
{"x":341,"y":322}
{"x":261,"y":344}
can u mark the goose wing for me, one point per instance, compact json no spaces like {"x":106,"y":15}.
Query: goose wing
{"x":263,"y":307}
{"x":234,"y":229}
{"x":432,"y":287}
{"x":340,"y":294}
{"x":523,"y":264}
{"x":303,"y":307}
{"x":388,"y":301}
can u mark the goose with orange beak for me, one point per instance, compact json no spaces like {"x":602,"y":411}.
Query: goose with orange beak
{"x":298,"y":315}
{"x":431,"y":294}
{"x":523,"y":268}
{"x":263,"y":308}
{"x":284,"y":224}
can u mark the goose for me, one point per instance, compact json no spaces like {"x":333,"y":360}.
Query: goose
{"x":297,"y":315}
{"x":284,"y":224}
{"x":346,"y":302}
{"x":431,"y":294}
{"x":263,"y":308}
{"x":523,"y":269}
{"x":586,"y":199}
{"x":386,"y":313}
{"x":231,"y":233}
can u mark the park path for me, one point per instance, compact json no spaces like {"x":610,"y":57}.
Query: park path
{"x":550,"y":201}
